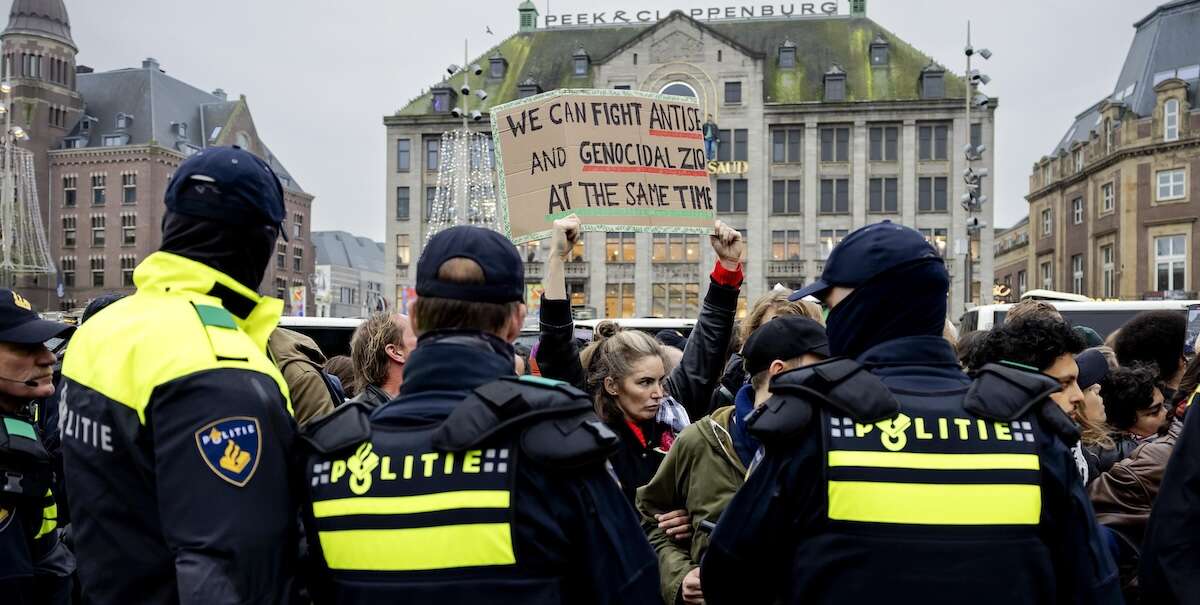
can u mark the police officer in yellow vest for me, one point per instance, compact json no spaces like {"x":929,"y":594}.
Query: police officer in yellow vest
{"x":35,"y":565}
{"x":891,"y":477}
{"x":176,"y":426}
{"x":472,"y":486}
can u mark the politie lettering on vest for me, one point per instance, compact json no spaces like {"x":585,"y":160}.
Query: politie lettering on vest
{"x":447,"y":492}
{"x":888,"y":455}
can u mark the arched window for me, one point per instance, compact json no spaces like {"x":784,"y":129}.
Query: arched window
{"x":1171,"y":120}
{"x":243,"y":141}
{"x":679,"y":89}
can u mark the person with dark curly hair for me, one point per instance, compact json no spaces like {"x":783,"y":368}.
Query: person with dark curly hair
{"x":1134,"y":405}
{"x":1155,"y":337}
{"x":1042,"y":342}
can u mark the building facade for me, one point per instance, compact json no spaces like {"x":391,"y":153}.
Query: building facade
{"x":1011,"y":259}
{"x":105,"y":147}
{"x":1112,"y":210}
{"x":349,"y":275}
{"x":827,"y":123}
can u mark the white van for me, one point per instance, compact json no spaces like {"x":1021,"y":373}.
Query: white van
{"x":332,"y":334}
{"x":1103,"y":317}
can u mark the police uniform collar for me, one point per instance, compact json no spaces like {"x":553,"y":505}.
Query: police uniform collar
{"x":910,"y":351}
{"x":455,"y":361}
{"x":471,"y":338}
{"x":255,"y":314}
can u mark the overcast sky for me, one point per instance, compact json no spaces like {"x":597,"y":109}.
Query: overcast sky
{"x":320,"y":75}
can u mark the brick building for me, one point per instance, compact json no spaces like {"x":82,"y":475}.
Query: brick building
{"x":106,"y":145}
{"x":1112,"y":210}
{"x":828,"y":123}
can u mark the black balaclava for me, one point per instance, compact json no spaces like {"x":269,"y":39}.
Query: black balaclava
{"x":909,"y":300}
{"x":241,"y":252}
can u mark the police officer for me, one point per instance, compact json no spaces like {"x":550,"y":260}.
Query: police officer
{"x":890,"y":477}
{"x":35,"y":566}
{"x":176,"y":426}
{"x":472,"y":485}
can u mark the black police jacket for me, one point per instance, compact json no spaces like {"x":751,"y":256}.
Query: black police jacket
{"x":898,"y":484}
{"x":402,"y":516}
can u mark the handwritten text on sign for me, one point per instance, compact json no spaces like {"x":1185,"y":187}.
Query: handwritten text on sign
{"x":619,"y":160}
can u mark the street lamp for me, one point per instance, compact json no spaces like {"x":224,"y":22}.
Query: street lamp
{"x":973,"y":200}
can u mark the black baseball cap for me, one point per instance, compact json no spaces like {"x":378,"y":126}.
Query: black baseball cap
{"x":503,"y":271}
{"x":20,"y":324}
{"x":1093,"y":367}
{"x":868,"y":252}
{"x":230,"y":185}
{"x":785,"y":337}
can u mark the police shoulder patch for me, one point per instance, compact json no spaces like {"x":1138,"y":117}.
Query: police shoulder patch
{"x":230,"y":447}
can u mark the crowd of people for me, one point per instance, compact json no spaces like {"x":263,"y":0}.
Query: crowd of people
{"x":840,"y":444}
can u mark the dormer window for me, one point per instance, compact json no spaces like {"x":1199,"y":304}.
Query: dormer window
{"x":835,"y":84}
{"x":787,"y":54}
{"x":933,"y":82}
{"x":497,"y":66}
{"x":180,"y":129}
{"x":528,"y":88}
{"x":443,"y":99}
{"x":123,"y":121}
{"x":581,"y":61}
{"x":879,"y":51}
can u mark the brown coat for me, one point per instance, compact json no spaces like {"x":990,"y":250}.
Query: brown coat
{"x":1123,"y":495}
{"x":299,"y":359}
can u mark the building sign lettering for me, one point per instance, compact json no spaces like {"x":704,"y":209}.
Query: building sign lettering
{"x":713,"y":13}
{"x":739,"y":167}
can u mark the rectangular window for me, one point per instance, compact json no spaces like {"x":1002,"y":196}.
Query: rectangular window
{"x":66,"y":264}
{"x":785,"y":145}
{"x":297,"y":225}
{"x":1078,"y":157}
{"x":785,"y":245}
{"x":830,"y":238}
{"x":1171,"y":184}
{"x":128,"y":189}
{"x":785,"y":197}
{"x":402,"y":203}
{"x":128,"y":229}
{"x":674,"y":300}
{"x":1171,"y":120}
{"x":298,"y":259}
{"x":98,"y":230}
{"x":128,"y":264}
{"x":68,"y":223}
{"x":1047,"y":222}
{"x":976,"y":134}
{"x":581,"y":66}
{"x":98,"y":193}
{"x":1108,"y":271}
{"x":1077,"y":274}
{"x":740,"y":139}
{"x":1045,"y":174}
{"x":1107,"y":201}
{"x":70,"y":190}
{"x":938,"y":238}
{"x":618,"y":300}
{"x":620,"y":247}
{"x":932,"y":142}
{"x":281,"y":256}
{"x":835,"y":196}
{"x":403,"y":155}
{"x":97,"y":263}
{"x":432,"y":153}
{"x":883,"y":195}
{"x":835,"y":144}
{"x":430,"y":196}
{"x":669,"y":248}
{"x":403,"y":250}
{"x":884,"y":143}
{"x":1170,"y":260}
{"x":733,"y":93}
{"x":281,"y":288}
{"x":1022,"y":283}
{"x":1077,"y":211}
{"x":724,"y":145}
{"x":1048,"y":275}
{"x":931,"y":194}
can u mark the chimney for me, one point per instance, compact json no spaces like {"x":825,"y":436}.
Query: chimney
{"x":220,"y":94}
{"x":150,"y":63}
{"x":83,"y":69}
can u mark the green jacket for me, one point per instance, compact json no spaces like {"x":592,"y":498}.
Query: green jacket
{"x":700,"y":474}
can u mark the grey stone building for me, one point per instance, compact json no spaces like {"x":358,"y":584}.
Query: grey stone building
{"x":349,"y":275}
{"x":827,"y":123}
{"x":105,"y":146}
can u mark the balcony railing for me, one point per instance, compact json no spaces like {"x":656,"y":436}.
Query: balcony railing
{"x":534,"y":271}
{"x":676,"y":272}
{"x":785,"y":268}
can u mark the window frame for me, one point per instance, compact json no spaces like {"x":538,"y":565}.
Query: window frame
{"x":1047,"y":222}
{"x":1171,"y":120}
{"x":1077,"y":274}
{"x":1171,"y":185}
{"x":889,"y":197}
{"x":1108,"y":270}
{"x":404,"y":156}
{"x":928,"y":199}
{"x":1077,"y":211}
{"x":839,"y":196}
{"x":403,"y":203}
{"x":1171,"y":259}
{"x":1108,"y":201}
{"x":734,"y":86}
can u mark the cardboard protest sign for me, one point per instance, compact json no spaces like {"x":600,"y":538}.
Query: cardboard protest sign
{"x":621,"y":160}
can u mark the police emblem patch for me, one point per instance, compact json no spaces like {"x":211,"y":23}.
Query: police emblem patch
{"x":230,"y":447}
{"x":6,"y":517}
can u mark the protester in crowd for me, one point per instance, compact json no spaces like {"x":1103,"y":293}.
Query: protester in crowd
{"x":1029,"y":306}
{"x":1135,"y":410}
{"x":302,"y":364}
{"x":1158,"y":338}
{"x":177,"y":427}
{"x":1090,"y":414}
{"x":673,"y":344}
{"x":1090,"y":337}
{"x":950,"y":333}
{"x":521,"y":360}
{"x":967,"y":347}
{"x":341,"y":369}
{"x":528,"y":512}
{"x":35,"y":565}
{"x":768,"y":306}
{"x":1189,"y":386}
{"x":842,"y":510}
{"x":710,"y":458}
{"x":694,"y":379}
{"x":379,"y":350}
